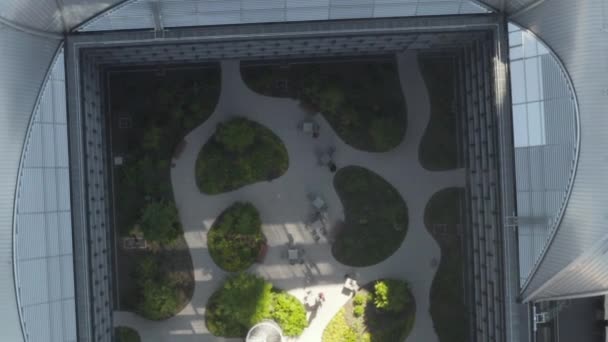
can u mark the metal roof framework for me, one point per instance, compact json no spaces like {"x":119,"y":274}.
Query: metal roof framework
{"x":43,"y":230}
{"x":576,"y":263}
{"x":24,"y":65}
{"x":159,"y":14}
{"x":546,"y":139}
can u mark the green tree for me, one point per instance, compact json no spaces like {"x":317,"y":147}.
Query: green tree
{"x":246,"y":298}
{"x":160,"y":223}
{"x":159,"y":301}
{"x":391,"y":295}
{"x":236,"y":135}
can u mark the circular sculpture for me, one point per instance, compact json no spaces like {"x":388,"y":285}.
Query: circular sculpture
{"x":267,"y":331}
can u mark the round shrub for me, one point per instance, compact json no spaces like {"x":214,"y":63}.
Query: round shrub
{"x":360,"y":299}
{"x":240,"y":152}
{"x":159,"y":301}
{"x":289,"y":314}
{"x":243,"y":301}
{"x":391,"y":295}
{"x":160,"y":223}
{"x":358,"y":311}
{"x":236,"y":237}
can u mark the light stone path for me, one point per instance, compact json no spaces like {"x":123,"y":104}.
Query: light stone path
{"x":284,"y":207}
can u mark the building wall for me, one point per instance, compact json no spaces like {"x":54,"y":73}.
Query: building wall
{"x":90,"y":211}
{"x":574,"y":264}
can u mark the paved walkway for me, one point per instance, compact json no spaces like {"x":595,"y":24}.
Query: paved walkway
{"x":284,"y":207}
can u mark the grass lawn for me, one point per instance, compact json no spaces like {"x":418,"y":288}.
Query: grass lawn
{"x":439,"y":146}
{"x":245,"y":300}
{"x":376,"y":218}
{"x":235,"y":239}
{"x":447,"y":292}
{"x":360,"y":321}
{"x":124,"y":334}
{"x":362,"y":100}
{"x":150,"y":113}
{"x":239,"y":153}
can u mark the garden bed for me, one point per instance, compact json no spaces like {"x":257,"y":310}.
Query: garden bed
{"x":156,"y":283}
{"x":245,"y":300}
{"x":235,"y":239}
{"x":376,"y":218}
{"x":439,"y":146}
{"x":124,"y":334}
{"x":448,"y":309}
{"x":150,"y":113}
{"x":362,"y":100}
{"x":239,"y":153}
{"x":361,"y":319}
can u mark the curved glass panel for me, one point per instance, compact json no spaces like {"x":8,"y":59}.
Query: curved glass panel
{"x":545,"y":134}
{"x":43,"y":228}
{"x":150,"y":14}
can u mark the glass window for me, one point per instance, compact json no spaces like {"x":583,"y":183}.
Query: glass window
{"x":518,"y":83}
{"x":532,"y":81}
{"x":536,"y":124}
{"x":520,"y":126}
{"x":516,"y":52}
{"x":515,"y":38}
{"x":530,"y":45}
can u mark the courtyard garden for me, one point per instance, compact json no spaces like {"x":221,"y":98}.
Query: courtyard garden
{"x":376,"y":218}
{"x":235,"y":240}
{"x":240,"y":152}
{"x":382,"y":311}
{"x":362,"y":100}
{"x":442,"y":215}
{"x":244,"y":300}
{"x":439,"y":146}
{"x":151,"y":111}
{"x":125,"y":334}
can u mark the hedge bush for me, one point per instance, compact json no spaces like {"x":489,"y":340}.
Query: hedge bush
{"x":245,"y":300}
{"x":236,"y":237}
{"x":240,"y":152}
{"x":287,"y":312}
{"x":159,"y":292}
